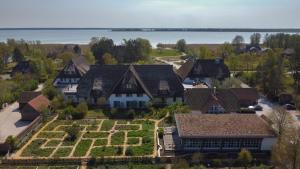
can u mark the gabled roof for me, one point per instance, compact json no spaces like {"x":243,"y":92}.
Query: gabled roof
{"x":105,"y":78}
{"x":39,"y":103}
{"x":202,"y":68}
{"x":26,"y":96}
{"x":222,"y":126}
{"x":80,"y":64}
{"x":131,"y":71}
{"x":230,"y":99}
{"x":22,"y":67}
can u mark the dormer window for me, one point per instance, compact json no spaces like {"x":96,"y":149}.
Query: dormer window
{"x":129,"y":86}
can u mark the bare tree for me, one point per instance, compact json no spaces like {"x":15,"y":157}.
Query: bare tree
{"x":281,"y":120}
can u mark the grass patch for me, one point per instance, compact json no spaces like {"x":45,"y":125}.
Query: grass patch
{"x":34,"y":149}
{"x":82,"y":148}
{"x":46,"y":134}
{"x":146,"y":149}
{"x":100,"y":142}
{"x":107,"y":125}
{"x":68,"y":142}
{"x":118,"y":138}
{"x":127,"y":127}
{"x":92,"y":128}
{"x":133,"y":140}
{"x":95,"y":114}
{"x":140,"y":133}
{"x":146,"y":124}
{"x":62,"y":152}
{"x":95,"y":135}
{"x":53,"y":143}
{"x":56,"y":123}
{"x":164,"y":52}
{"x":106,"y":151}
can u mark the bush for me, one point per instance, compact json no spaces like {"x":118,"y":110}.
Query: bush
{"x":82,"y":107}
{"x":129,"y":152}
{"x":160,"y":133}
{"x":73,"y":132}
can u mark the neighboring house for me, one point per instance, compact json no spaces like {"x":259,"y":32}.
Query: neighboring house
{"x":31,"y":105}
{"x":130,"y":86}
{"x":7,"y":58}
{"x":285,"y":98}
{"x":203,"y":71}
{"x":68,"y":78}
{"x":288,"y":52}
{"x":212,"y":100}
{"x":224,"y":133}
{"x":253,"y":48}
{"x":22,"y":67}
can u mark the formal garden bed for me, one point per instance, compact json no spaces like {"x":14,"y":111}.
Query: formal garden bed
{"x":95,"y":138}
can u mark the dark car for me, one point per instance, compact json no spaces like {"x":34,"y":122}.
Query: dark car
{"x":289,"y":107}
{"x":256,"y":108}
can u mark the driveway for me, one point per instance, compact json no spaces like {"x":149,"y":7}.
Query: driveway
{"x":266,"y":105}
{"x":10,"y":120}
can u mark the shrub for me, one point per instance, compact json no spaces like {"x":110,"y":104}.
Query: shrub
{"x":160,"y":133}
{"x":82,"y":108}
{"x":147,"y":139}
{"x":129,"y":152}
{"x":73,"y":132}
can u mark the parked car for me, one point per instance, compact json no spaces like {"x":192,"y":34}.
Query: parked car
{"x":289,"y":107}
{"x":256,"y":108}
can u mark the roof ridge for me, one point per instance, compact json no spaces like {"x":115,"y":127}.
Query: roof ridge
{"x":132,"y":69}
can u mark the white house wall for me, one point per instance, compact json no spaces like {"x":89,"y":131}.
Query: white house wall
{"x":123,"y":98}
{"x":63,"y":81}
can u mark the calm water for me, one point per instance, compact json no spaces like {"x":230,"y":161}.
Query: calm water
{"x":84,"y":36}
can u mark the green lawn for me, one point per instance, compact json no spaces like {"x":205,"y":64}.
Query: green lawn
{"x":164,"y":52}
{"x":118,"y":138}
{"x":82,"y":148}
{"x":107,"y":125}
{"x":106,"y":151}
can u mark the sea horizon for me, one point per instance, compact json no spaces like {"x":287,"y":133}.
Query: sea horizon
{"x":154,"y":35}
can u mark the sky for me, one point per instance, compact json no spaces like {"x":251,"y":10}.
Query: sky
{"x":150,"y":13}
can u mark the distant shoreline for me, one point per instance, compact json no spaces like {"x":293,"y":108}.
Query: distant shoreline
{"x":283,"y":30}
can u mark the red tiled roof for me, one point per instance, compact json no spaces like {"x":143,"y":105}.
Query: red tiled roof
{"x":222,"y":126}
{"x":39,"y":103}
{"x":26,"y":96}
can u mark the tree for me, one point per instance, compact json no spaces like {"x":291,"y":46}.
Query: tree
{"x":271,"y":75}
{"x":205,"y":52}
{"x":108,"y":59}
{"x":225,"y":50}
{"x":280,"y":118}
{"x":65,"y":57}
{"x":237,"y":42}
{"x":181,"y":45}
{"x":245,"y":157}
{"x":18,"y":55}
{"x":101,"y":46}
{"x":73,"y":131}
{"x":294,"y":66}
{"x":12,"y":142}
{"x":77,"y":49}
{"x":255,"y":38}
{"x":81,"y":109}
{"x":286,"y":153}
